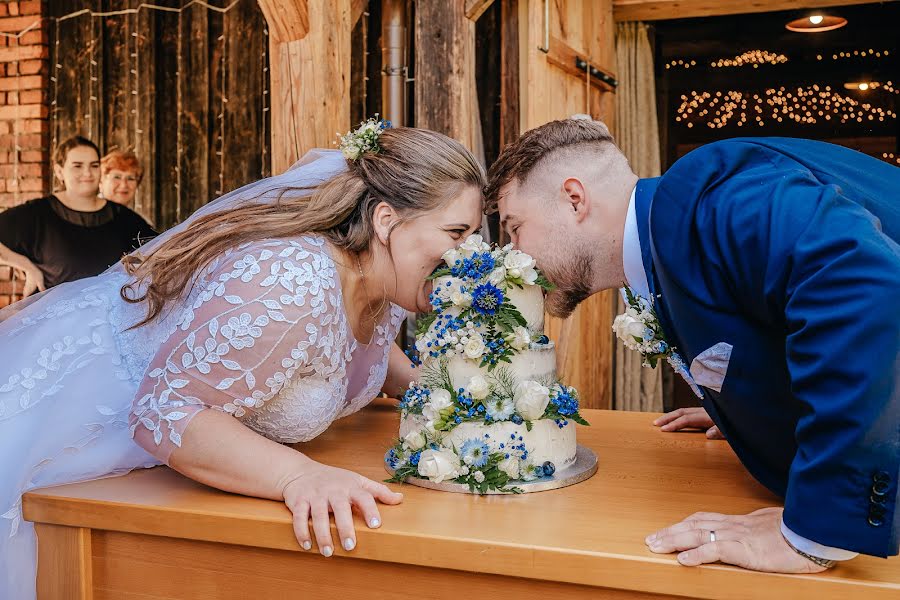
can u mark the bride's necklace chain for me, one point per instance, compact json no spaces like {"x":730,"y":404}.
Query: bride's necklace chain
{"x":372,"y":313}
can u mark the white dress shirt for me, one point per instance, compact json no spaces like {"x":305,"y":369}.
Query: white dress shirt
{"x":637,"y":280}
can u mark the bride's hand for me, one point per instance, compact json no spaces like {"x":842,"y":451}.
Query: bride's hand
{"x":321,"y":490}
{"x":689,"y":418}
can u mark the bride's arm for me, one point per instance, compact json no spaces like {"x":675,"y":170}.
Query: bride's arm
{"x":400,"y":373}
{"x":309,"y":489}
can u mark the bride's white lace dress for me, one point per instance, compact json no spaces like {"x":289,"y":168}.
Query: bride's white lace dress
{"x":262,"y":336}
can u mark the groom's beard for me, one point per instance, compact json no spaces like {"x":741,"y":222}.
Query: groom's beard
{"x":572,"y":287}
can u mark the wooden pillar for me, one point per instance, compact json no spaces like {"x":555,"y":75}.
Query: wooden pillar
{"x":550,"y":88}
{"x":446,"y":99}
{"x":310,"y":74}
{"x":65,"y":571}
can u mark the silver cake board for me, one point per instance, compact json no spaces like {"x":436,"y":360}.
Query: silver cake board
{"x":582,"y":469}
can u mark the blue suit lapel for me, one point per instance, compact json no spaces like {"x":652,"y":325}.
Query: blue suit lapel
{"x":643,"y":202}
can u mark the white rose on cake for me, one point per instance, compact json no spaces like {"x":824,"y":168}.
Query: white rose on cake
{"x":451,"y":256}
{"x":520,"y":266}
{"x":532,"y":399}
{"x":510,"y":466}
{"x":414,"y":440}
{"x":497,"y":276}
{"x":439,"y":465}
{"x":459,"y":297}
{"x":478,"y":387}
{"x":520,"y":338}
{"x":439,"y":401}
{"x":474,"y":346}
{"x":474,"y":243}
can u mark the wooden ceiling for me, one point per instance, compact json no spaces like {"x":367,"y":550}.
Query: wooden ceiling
{"x":656,"y":10}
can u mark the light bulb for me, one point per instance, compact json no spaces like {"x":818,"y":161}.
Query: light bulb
{"x":816,"y":19}
{"x":864,"y":86}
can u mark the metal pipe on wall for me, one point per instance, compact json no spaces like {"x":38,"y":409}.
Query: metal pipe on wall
{"x":394,"y":53}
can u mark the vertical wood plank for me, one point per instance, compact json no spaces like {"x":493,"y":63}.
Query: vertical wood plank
{"x":310,"y":81}
{"x":64,"y":563}
{"x":445,"y":70}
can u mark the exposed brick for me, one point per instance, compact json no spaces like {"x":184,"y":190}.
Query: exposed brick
{"x":32,"y":97}
{"x":35,"y":66}
{"x":10,"y":171}
{"x":24,"y":111}
{"x":29,"y":126}
{"x":35,"y":37}
{"x":34,"y":156}
{"x":10,"y":199}
{"x":30,"y":7}
{"x":23,"y":53}
{"x":5,"y":127}
{"x":25,"y":185}
{"x":13,"y":8}
{"x":29,"y":82}
{"x":4,"y":10}
{"x":17,"y":24}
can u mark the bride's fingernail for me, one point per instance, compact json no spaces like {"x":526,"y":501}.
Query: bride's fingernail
{"x":327,"y":551}
{"x":349,"y":544}
{"x":374,"y":523}
{"x":307,"y":545}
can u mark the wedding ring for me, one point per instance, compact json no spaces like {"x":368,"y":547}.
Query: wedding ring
{"x":712,"y":536}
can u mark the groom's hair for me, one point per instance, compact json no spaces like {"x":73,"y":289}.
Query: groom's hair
{"x":556,"y":139}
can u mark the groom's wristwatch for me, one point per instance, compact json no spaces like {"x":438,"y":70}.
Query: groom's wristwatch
{"x":822,"y":562}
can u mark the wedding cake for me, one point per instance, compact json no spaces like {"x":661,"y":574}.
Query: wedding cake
{"x":488,"y":410}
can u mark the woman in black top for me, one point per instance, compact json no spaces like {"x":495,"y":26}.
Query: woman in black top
{"x":72,"y":233}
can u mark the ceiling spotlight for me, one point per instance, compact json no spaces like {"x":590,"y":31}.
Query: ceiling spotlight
{"x":816,"y":23}
{"x":861,"y":85}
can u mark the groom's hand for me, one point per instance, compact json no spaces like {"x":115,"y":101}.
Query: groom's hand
{"x":689,"y":418}
{"x":751,"y":541}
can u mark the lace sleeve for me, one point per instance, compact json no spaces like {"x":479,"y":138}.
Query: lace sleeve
{"x":269,"y":314}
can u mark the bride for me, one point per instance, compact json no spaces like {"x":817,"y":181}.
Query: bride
{"x":258,"y":322}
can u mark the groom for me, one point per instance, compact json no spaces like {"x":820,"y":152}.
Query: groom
{"x":773,"y":266}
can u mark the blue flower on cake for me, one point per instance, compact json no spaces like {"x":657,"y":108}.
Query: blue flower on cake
{"x":488,"y":409}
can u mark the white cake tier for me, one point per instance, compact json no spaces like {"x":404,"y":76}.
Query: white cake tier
{"x":537,"y":363}
{"x":545,"y":442}
{"x":530,"y":302}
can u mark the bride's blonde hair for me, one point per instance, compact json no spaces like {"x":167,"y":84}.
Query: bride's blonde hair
{"x":415,"y":171}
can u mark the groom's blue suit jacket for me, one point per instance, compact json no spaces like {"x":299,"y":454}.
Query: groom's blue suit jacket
{"x":787,"y":250}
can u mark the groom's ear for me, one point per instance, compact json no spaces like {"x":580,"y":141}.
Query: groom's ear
{"x":575,"y":197}
{"x":383,"y":219}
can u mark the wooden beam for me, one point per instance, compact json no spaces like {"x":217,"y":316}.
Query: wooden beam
{"x":657,"y":10}
{"x":357,"y":8}
{"x":476,"y":8}
{"x":445,"y":70}
{"x":310,"y":85}
{"x":567,"y":58}
{"x":288,"y":19}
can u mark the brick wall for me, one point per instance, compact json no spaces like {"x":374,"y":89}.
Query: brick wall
{"x":24,"y":113}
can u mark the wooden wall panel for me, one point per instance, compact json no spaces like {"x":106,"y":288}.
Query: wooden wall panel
{"x":150,"y":121}
{"x":584,"y":340}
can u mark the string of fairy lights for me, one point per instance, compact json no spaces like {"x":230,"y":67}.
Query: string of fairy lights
{"x":891,"y":157}
{"x":803,"y":105}
{"x":134,"y":39}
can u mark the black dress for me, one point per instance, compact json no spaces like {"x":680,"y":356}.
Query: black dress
{"x":68,"y":244}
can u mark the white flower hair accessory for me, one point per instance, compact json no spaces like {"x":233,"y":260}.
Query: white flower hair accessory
{"x":364,"y":139}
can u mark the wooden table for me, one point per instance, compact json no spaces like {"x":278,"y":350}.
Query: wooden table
{"x":154,"y":534}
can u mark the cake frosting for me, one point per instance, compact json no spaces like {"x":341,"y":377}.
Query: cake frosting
{"x":488,"y":409}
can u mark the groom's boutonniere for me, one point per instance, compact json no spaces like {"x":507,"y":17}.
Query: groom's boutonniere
{"x":639,"y":329}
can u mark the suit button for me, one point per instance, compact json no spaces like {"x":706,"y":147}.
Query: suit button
{"x":881,"y":476}
{"x":876,"y":510}
{"x":875,"y":499}
{"x":875,"y":521}
{"x":880,"y":488}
